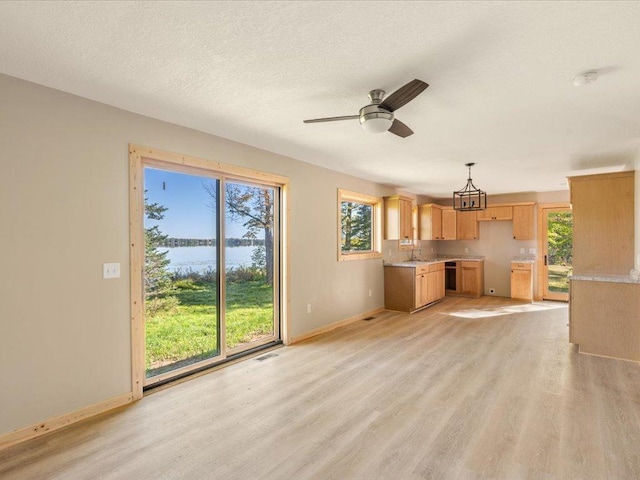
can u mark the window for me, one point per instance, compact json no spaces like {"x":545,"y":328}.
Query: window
{"x":359,"y":229}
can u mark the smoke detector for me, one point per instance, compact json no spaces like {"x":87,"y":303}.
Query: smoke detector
{"x":585,"y":78}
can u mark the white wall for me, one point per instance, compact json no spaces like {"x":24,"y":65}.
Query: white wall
{"x":65,"y":332}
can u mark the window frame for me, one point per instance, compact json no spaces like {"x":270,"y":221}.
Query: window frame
{"x":376,"y":225}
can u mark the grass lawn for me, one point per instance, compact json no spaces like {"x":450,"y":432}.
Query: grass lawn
{"x":189,"y":334}
{"x":558,"y":281}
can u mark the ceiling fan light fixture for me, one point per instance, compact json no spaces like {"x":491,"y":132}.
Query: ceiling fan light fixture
{"x":376,"y":123}
{"x":373,"y":119}
{"x":470,"y":197}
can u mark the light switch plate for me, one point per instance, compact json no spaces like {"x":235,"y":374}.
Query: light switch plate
{"x":111,"y":270}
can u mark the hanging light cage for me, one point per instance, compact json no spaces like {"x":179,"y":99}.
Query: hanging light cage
{"x":470,"y":197}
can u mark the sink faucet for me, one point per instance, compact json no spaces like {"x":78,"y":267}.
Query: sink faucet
{"x":413,"y":253}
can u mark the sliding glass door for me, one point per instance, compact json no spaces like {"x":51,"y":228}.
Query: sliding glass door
{"x":251,"y":265}
{"x":206,"y":299}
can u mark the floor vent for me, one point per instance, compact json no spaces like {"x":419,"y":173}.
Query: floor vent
{"x":266,"y":357}
{"x":368,"y":318}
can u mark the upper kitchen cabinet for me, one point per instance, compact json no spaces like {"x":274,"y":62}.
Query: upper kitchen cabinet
{"x":449,"y":224}
{"x":397,"y":219}
{"x":504,"y":212}
{"x":603,"y":223}
{"x":429,"y":222}
{"x":467,"y":225}
{"x":523,"y":222}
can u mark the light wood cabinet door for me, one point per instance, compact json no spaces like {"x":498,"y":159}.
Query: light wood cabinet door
{"x":521,"y":281}
{"x":406,"y":224}
{"x":469,"y":280}
{"x":495,"y":213}
{"x":430,"y":222}
{"x":440,"y":284}
{"x":603,"y":223}
{"x":472,"y":281}
{"x":523,"y":222}
{"x":467,"y":226}
{"x":398,"y":218}
{"x":422,"y":290}
{"x":449,"y":224}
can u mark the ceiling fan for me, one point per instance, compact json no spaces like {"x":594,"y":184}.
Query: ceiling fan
{"x":378,"y":116}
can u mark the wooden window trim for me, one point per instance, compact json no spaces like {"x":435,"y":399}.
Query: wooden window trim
{"x":376,"y":203}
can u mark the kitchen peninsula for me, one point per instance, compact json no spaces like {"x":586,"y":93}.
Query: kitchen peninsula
{"x":604,"y":308}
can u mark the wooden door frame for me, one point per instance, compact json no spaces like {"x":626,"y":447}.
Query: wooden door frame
{"x":139,"y":157}
{"x":542,"y":234}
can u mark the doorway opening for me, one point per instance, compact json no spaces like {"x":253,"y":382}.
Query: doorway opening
{"x":556,"y":239}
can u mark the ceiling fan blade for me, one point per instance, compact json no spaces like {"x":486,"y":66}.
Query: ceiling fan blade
{"x":400,"y":129}
{"x":332,"y":119}
{"x":404,"y":95}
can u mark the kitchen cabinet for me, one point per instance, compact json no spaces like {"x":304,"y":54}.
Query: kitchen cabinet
{"x":408,"y":289}
{"x":437,"y":222}
{"x":604,"y":317}
{"x":398,"y":219}
{"x":522,"y":280}
{"x":429,"y":222}
{"x":449,"y":224}
{"x":465,"y":278}
{"x":523,"y":222}
{"x":504,"y":212}
{"x":603,"y":223}
{"x":472,"y":279}
{"x":467,"y":226}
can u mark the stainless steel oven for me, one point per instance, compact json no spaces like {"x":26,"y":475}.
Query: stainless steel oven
{"x":451,"y":276}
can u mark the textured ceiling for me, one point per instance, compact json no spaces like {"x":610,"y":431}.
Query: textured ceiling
{"x":500,"y":76}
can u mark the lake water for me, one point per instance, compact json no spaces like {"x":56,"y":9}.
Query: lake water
{"x":199,"y":259}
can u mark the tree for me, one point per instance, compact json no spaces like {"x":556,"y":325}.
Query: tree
{"x":254,"y":207}
{"x":157,"y":278}
{"x":560,"y":238}
{"x":356,"y":226}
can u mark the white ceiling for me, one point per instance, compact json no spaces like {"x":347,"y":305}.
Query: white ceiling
{"x":500,"y":76}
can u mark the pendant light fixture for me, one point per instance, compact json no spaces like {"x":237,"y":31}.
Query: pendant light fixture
{"x":470,"y":197}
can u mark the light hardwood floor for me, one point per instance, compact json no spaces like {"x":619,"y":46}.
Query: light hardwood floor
{"x":467,"y":389}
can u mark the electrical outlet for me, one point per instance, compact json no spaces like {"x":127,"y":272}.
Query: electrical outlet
{"x":522,"y":251}
{"x":532,"y":251}
{"x":111,"y":270}
{"x":370,"y":292}
{"x":466,"y":250}
{"x":492,"y":290}
{"x":431,"y":249}
{"x":308,"y":308}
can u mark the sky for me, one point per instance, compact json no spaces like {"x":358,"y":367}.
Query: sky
{"x":190,"y":209}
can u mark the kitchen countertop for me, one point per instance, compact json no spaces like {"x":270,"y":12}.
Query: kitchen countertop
{"x":439,"y":259}
{"x":605,"y":278}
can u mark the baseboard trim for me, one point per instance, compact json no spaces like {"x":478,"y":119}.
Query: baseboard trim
{"x":27,"y":433}
{"x":333,"y":326}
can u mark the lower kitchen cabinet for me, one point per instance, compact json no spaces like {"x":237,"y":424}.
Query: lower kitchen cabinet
{"x":408,"y":289}
{"x":522,"y":281}
{"x":472,"y":279}
{"x":604,"y":317}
